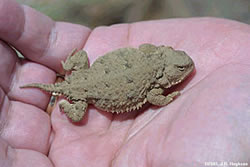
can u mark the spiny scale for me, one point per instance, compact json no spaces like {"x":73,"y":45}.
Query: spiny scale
{"x":128,"y":109}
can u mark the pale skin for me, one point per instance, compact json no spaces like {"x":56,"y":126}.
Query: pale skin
{"x":210,"y":121}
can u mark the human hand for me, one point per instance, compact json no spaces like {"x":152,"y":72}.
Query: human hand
{"x":209,"y":122}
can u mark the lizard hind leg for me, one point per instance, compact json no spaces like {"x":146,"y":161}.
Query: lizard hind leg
{"x":77,"y":60}
{"x":74,"y":111}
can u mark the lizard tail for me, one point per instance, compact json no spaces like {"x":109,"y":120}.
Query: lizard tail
{"x":46,"y":87}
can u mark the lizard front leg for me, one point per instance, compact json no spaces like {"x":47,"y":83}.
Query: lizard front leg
{"x":155,"y":97}
{"x":76,"y":61}
{"x":74,"y":111}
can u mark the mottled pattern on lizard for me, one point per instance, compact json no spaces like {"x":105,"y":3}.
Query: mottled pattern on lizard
{"x":120,"y":81}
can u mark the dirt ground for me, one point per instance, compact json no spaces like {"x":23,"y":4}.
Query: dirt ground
{"x":105,"y":12}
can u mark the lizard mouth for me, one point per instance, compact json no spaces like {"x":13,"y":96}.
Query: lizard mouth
{"x":184,"y":76}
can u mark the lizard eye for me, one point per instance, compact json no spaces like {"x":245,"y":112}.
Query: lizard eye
{"x":181,"y":68}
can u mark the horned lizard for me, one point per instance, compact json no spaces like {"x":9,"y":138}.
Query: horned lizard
{"x":120,"y":81}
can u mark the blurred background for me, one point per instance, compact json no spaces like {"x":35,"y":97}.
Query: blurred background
{"x":93,"y":13}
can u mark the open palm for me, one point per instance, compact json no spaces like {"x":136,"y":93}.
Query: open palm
{"x":209,"y":122}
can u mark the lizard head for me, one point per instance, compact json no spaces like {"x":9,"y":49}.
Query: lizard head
{"x":177,"y":66}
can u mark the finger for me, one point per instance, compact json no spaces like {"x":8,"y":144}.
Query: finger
{"x":37,"y":36}
{"x":8,"y":61}
{"x":21,"y":121}
{"x":16,"y":73}
{"x":11,"y":157}
{"x":29,"y":72}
